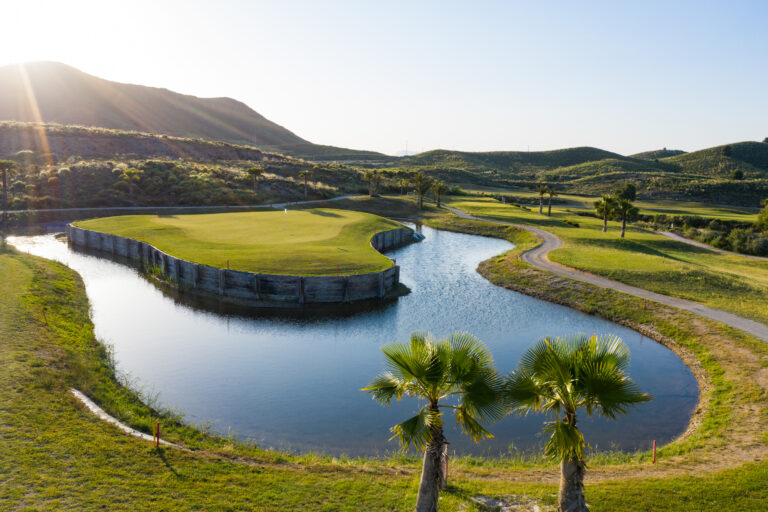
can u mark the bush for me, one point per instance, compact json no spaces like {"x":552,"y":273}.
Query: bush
{"x":758,"y":245}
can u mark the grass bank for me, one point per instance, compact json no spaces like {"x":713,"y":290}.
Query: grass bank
{"x":315,"y":241}
{"x":56,"y":456}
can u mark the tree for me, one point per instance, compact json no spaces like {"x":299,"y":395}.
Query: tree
{"x":458,"y":369}
{"x":542,"y":190}
{"x":625,"y":210}
{"x":439,"y":188}
{"x":130,"y":176}
{"x":6,"y":167}
{"x":421,"y":184}
{"x":552,"y":192}
{"x":762,"y":218}
{"x":559,"y":376}
{"x":604,"y":209}
{"x":305,"y":175}
{"x":404,"y":184}
{"x":738,"y":174}
{"x":373,"y":179}
{"x":255,"y":172}
{"x":629,"y":191}
{"x":765,"y":140}
{"x":727,"y":150}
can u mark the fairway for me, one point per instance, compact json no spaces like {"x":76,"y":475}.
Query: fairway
{"x":317,"y":241}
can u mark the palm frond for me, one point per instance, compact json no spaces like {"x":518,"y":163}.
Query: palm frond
{"x":385,"y":387}
{"x":465,"y":418}
{"x":416,"y":431}
{"x":565,"y":441}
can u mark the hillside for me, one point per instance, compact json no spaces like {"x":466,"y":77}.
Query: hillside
{"x":508,"y":160}
{"x":56,"y":93}
{"x":658,"y":153}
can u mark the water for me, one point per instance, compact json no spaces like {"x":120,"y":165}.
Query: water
{"x":294,"y":382}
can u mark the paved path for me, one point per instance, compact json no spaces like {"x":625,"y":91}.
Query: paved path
{"x":675,"y":236}
{"x":538,"y":258}
{"x":98,"y":411}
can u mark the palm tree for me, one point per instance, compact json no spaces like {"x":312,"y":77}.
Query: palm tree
{"x":6,"y":167}
{"x":561,"y":376}
{"x":439,"y":188}
{"x":404,"y":184}
{"x":627,"y":211}
{"x":131,"y":176}
{"x":305,"y":174}
{"x":542,"y":190}
{"x":604,"y":208}
{"x":552,"y":192}
{"x":458,"y":369}
{"x":421,"y":184}
{"x":255,"y":172}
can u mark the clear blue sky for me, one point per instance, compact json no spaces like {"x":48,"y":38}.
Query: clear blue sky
{"x":624,"y":76}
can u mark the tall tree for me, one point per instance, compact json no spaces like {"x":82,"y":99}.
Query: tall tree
{"x":439,"y":188}
{"x":762,"y":218}
{"x":604,"y":208}
{"x":560,"y":376}
{"x":131,"y":176}
{"x":552,"y":193}
{"x":421,"y":184}
{"x":542,"y":190}
{"x":456,"y":373}
{"x":629,"y":191}
{"x":404,"y":184}
{"x":305,"y":175}
{"x":6,"y":167}
{"x":255,"y":172}
{"x":625,"y":210}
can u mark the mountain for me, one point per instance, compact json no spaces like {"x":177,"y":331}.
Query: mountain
{"x":52,"y":92}
{"x":509,"y":160}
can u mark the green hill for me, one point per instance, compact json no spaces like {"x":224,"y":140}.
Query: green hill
{"x":721,"y":161}
{"x":658,"y":153}
{"x":52,"y":92}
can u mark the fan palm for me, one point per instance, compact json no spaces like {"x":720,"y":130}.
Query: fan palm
{"x":439,"y":188}
{"x":254,"y":172}
{"x":542,"y":190}
{"x":561,"y":376}
{"x":552,"y":193}
{"x":627,"y":211}
{"x":605,"y":208}
{"x":458,"y":369}
{"x":421,"y":184}
{"x":305,"y":175}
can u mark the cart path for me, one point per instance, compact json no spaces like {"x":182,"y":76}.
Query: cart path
{"x":678,"y":238}
{"x":538,"y":257}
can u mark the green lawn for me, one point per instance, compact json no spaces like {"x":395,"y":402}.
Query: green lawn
{"x":644,"y":258}
{"x":316,"y":241}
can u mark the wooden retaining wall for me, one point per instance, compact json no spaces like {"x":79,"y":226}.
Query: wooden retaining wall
{"x":247,"y":287}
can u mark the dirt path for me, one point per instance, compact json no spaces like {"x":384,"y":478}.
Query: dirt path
{"x":678,"y":238}
{"x":538,"y":257}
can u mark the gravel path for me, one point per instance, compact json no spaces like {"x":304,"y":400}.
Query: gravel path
{"x":538,"y":257}
{"x":675,"y":236}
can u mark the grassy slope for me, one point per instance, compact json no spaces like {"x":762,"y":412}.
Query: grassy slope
{"x":56,"y":456}
{"x":645,"y":259}
{"x":316,"y":241}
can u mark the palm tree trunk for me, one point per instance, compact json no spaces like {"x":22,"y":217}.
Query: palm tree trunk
{"x":571,"y":495}
{"x":605,"y":222}
{"x":438,"y":200}
{"x":421,"y":201}
{"x":130,"y":192}
{"x":541,"y":204}
{"x":254,"y":183}
{"x":305,"y":188}
{"x":623,"y":225}
{"x":549,"y":210}
{"x":5,"y":197}
{"x":432,"y":476}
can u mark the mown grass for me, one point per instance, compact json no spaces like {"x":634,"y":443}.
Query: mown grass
{"x":56,"y":456}
{"x":644,"y":258}
{"x":316,"y":241}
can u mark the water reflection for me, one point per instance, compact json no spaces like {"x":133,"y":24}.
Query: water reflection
{"x":293,"y":381}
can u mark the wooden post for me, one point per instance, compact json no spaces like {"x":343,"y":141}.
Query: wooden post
{"x":654,"y":451}
{"x":157,"y":435}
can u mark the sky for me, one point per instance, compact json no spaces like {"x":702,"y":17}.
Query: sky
{"x":625,"y":76}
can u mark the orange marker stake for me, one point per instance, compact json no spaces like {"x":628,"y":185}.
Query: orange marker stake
{"x":654,"y":451}
{"x":157,"y":436}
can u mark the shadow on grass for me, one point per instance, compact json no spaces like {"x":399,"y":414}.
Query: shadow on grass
{"x":160,"y":452}
{"x":323,"y":213}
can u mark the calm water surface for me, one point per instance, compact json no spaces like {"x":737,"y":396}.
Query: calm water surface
{"x":293,"y":383}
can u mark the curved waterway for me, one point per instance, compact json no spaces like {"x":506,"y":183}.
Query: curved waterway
{"x":293,"y":382}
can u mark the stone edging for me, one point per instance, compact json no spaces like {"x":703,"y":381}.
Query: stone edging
{"x":248,"y":288}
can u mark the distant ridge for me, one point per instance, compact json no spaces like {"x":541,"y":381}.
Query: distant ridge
{"x":658,"y":153}
{"x":511,"y":160}
{"x":52,"y":92}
